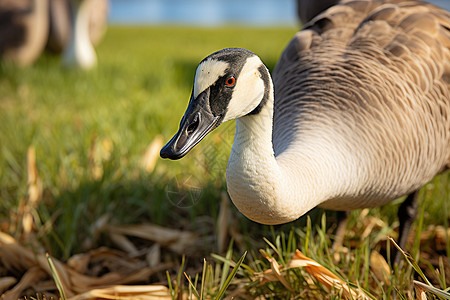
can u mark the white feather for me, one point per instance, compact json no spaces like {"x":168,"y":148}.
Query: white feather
{"x":248,"y":91}
{"x":207,"y":73}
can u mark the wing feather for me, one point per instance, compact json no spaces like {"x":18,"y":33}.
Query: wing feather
{"x":372,"y":76}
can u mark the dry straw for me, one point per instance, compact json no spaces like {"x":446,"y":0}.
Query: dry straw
{"x":322,"y":274}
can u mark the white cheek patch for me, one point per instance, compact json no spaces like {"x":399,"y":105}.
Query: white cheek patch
{"x":207,"y":73}
{"x":248,"y":92}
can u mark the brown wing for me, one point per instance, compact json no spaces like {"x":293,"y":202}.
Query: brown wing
{"x":372,"y":77}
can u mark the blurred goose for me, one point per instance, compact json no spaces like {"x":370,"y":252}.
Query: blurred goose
{"x":26,"y":26}
{"x":62,"y":14}
{"x":23,"y":30}
{"x":358,"y":113}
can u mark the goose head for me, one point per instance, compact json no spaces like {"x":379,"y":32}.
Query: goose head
{"x":228,"y":84}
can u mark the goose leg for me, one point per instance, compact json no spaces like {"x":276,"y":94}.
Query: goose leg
{"x":407,"y":213}
{"x":342,"y":218}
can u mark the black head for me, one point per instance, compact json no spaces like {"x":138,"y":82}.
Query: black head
{"x":228,"y":84}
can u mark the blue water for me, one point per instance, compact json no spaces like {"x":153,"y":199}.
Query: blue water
{"x":211,"y":12}
{"x":204,"y":12}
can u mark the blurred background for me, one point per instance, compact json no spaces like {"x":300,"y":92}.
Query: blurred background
{"x":73,"y":27}
{"x":205,"y":12}
{"x":211,"y":12}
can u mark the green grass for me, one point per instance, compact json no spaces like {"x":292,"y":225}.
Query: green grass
{"x":90,"y":130}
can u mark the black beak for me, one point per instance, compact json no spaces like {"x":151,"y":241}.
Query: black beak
{"x":197,"y":122}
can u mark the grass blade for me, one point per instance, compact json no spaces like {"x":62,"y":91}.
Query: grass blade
{"x":442,"y":274}
{"x":169,"y":282}
{"x":308,"y":234}
{"x":232,"y":263}
{"x":433,"y":290}
{"x":226,"y":265}
{"x":194,"y":289}
{"x":174,"y":290}
{"x":230,"y":277}
{"x":411,"y":261}
{"x":202,"y":287}
{"x":56,"y":278}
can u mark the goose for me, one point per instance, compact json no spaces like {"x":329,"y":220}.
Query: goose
{"x":29,"y":26}
{"x":357,"y":113}
{"x":61,"y":21}
{"x":23,"y":30}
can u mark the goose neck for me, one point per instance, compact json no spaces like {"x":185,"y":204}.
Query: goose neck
{"x":79,"y":51}
{"x":269,"y":189}
{"x":81,"y":18}
{"x":255,"y":181}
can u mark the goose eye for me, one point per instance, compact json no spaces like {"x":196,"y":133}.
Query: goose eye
{"x":230,"y":81}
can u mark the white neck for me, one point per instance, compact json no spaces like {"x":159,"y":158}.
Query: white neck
{"x":262,"y":186}
{"x":80,"y":52}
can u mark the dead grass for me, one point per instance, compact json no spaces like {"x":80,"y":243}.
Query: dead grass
{"x":107,"y":273}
